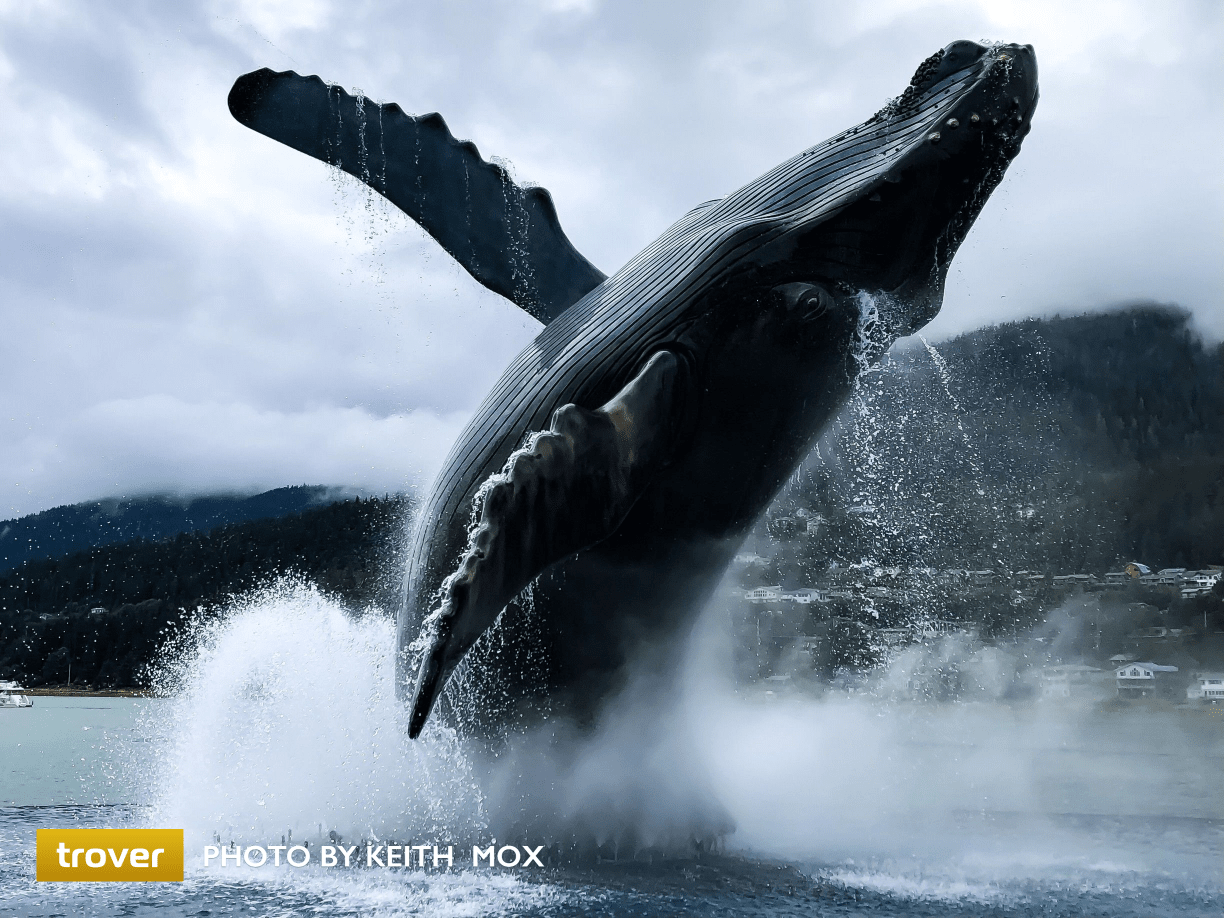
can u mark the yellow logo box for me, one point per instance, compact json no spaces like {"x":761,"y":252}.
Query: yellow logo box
{"x":110,"y":855}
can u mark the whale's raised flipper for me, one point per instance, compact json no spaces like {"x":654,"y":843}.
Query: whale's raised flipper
{"x":507,"y":237}
{"x":568,"y":488}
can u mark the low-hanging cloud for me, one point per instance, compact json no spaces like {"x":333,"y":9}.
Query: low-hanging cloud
{"x":152,"y":248}
{"x":156,"y":443}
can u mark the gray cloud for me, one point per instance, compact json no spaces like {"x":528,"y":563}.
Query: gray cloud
{"x":187,"y":306}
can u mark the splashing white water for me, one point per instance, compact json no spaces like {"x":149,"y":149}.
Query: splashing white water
{"x":870,"y":337}
{"x":945,"y":380}
{"x":285,"y":720}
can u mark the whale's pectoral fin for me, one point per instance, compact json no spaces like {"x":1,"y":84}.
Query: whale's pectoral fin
{"x":568,"y":488}
{"x":505,"y":236}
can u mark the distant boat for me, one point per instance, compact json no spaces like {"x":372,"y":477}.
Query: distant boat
{"x":13,"y":695}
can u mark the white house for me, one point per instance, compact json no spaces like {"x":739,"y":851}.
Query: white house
{"x":764,"y":594}
{"x":937,"y":628}
{"x":1138,"y":679}
{"x":1206,"y":687}
{"x":1199,"y":582}
{"x":1058,"y":681}
{"x":805,"y":596}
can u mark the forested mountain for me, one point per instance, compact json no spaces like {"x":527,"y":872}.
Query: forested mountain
{"x":1059,"y":445}
{"x":62,"y":530}
{"x":1136,"y":403}
{"x":106,"y":611}
{"x":1064,"y":444}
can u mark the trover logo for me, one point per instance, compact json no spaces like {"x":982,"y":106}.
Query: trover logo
{"x":114,"y":855}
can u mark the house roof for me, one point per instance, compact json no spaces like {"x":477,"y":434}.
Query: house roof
{"x":1154,"y":667}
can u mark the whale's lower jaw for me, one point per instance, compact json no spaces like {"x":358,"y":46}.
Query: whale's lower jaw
{"x":587,"y":628}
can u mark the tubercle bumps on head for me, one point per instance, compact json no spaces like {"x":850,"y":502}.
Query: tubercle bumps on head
{"x":917,"y":83}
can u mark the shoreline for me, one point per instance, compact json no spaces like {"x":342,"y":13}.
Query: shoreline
{"x":84,"y":691}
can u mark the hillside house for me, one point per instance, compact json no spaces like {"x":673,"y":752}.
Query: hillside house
{"x":1156,"y":632}
{"x":1206,"y":687}
{"x":805,"y":596}
{"x":938,"y":628}
{"x":1199,"y":582}
{"x":764,"y":594}
{"x":1071,"y":581}
{"x":1063,"y":680}
{"x":1135,"y":680}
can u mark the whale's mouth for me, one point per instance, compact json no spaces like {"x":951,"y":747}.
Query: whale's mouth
{"x":973,"y":104}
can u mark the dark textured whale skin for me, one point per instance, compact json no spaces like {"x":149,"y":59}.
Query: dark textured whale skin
{"x":751,"y":306}
{"x":764,"y":381}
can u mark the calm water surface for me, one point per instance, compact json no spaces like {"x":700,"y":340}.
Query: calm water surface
{"x":68,"y":762}
{"x":62,"y":751}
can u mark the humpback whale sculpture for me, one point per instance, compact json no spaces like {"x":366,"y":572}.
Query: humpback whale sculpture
{"x":624,"y":454}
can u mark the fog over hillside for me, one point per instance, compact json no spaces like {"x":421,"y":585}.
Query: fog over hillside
{"x":1053,"y":446}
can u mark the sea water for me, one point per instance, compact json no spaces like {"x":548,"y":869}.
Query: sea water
{"x":61,"y":751}
{"x":281,"y":725}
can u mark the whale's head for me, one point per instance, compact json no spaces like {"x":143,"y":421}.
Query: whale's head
{"x":911,"y":180}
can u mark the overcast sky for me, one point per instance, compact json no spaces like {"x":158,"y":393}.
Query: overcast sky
{"x":187,"y":306}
